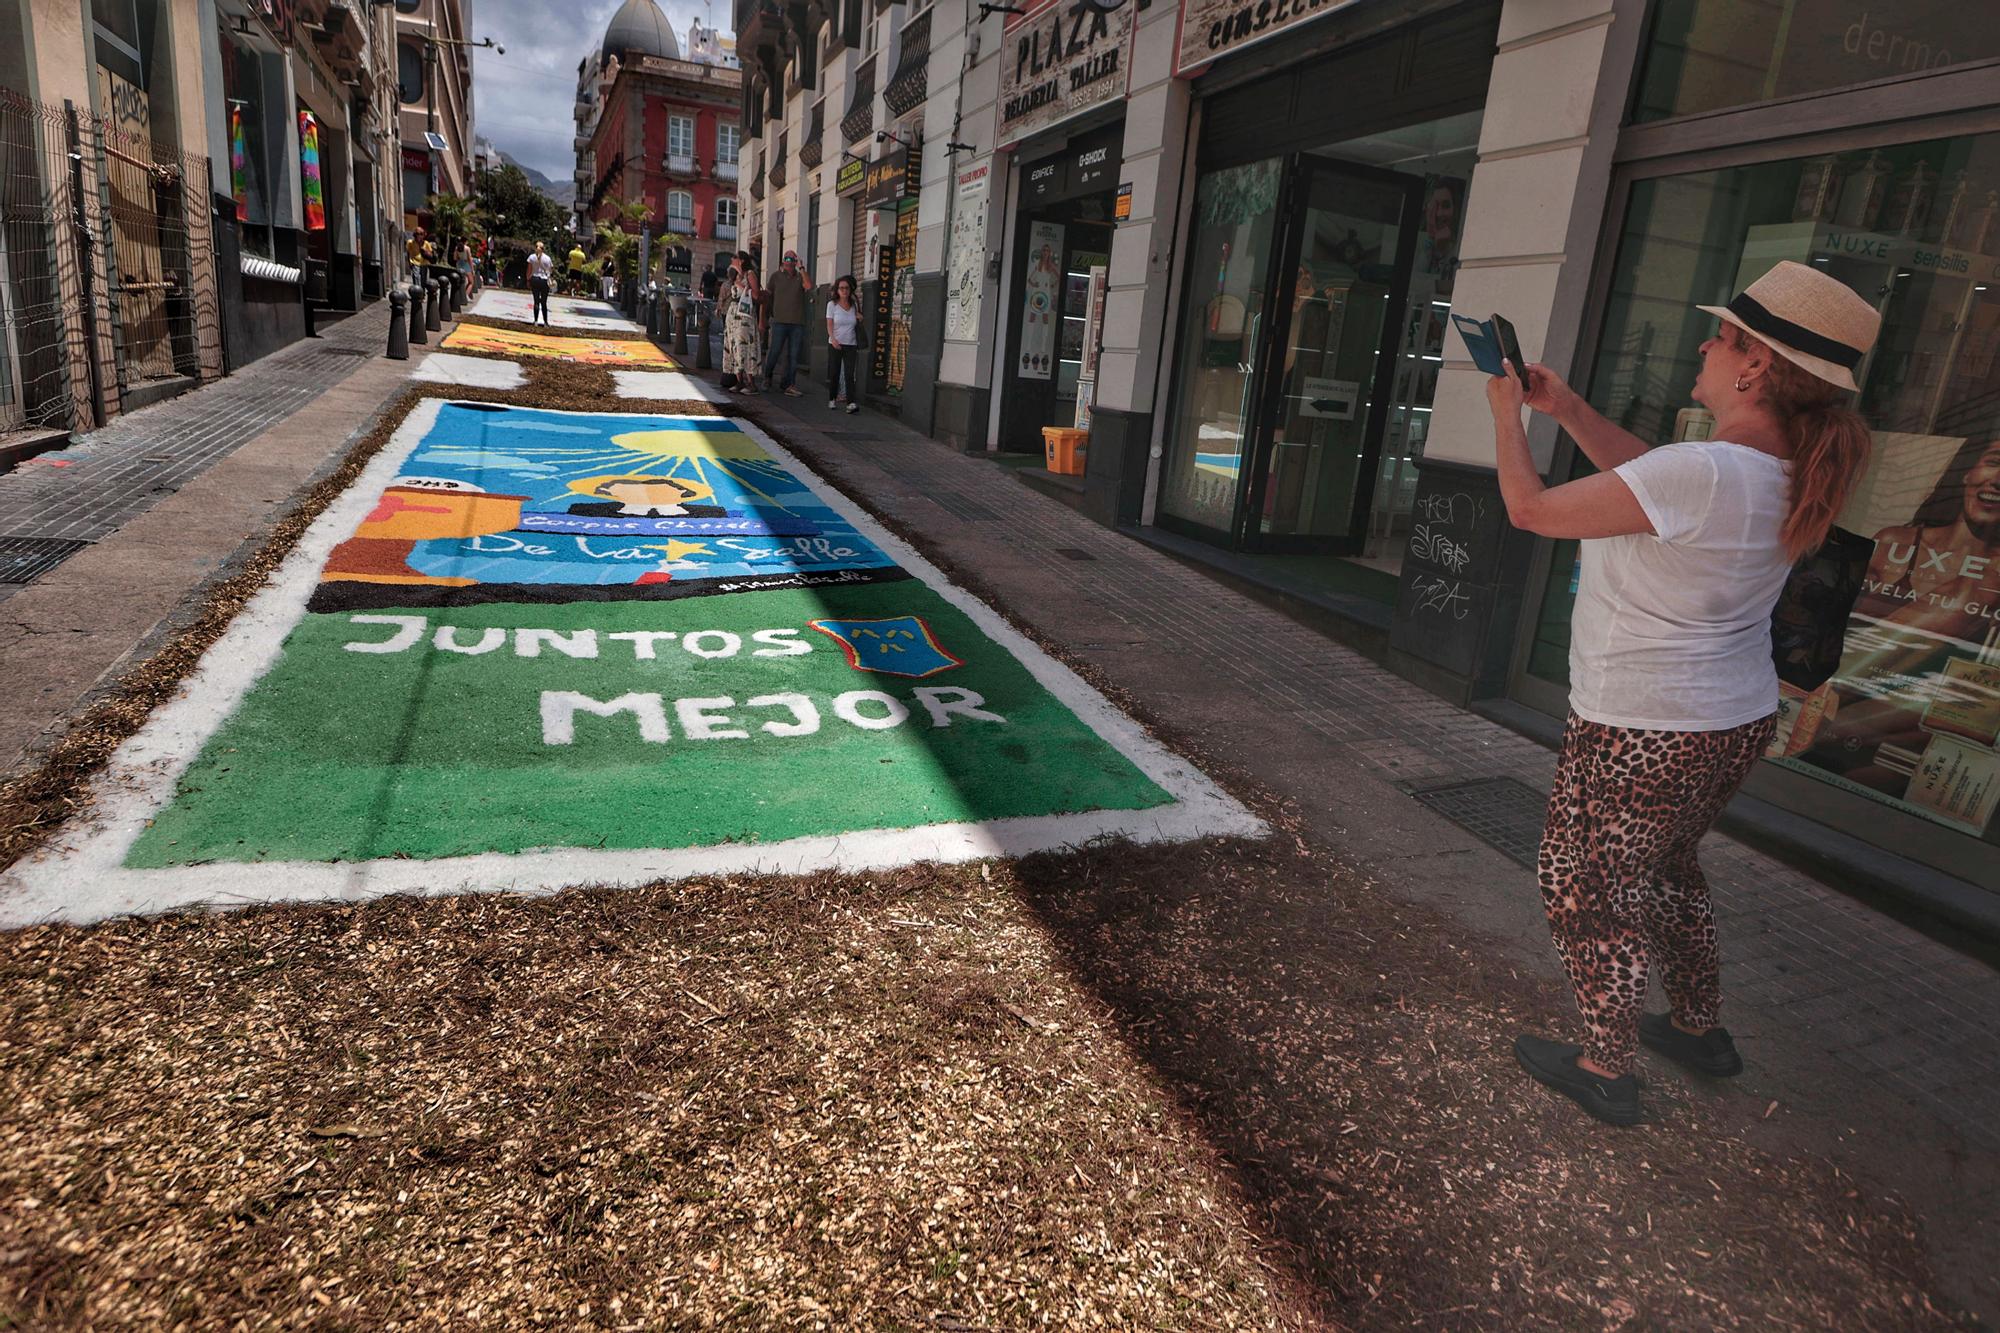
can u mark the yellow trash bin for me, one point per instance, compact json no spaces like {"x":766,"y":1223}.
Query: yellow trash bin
{"x":1066,"y":446}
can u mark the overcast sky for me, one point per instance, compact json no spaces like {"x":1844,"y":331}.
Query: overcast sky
{"x":524,"y":101}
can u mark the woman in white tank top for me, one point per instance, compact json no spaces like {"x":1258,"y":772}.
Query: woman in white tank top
{"x":1673,"y":695}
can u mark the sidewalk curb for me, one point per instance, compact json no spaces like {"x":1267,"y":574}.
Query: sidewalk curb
{"x":81,"y":630}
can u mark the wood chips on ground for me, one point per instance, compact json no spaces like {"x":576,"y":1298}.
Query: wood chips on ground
{"x":830,"y":1103}
{"x":1222,"y":1085}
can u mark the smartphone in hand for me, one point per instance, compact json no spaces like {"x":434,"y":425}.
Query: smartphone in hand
{"x":1491,"y":339}
{"x":1510,"y":347}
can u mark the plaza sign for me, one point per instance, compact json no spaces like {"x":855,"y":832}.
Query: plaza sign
{"x":1212,"y":28}
{"x":1062,"y":57}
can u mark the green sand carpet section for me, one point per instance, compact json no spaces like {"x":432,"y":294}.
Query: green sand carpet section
{"x":507,"y":727}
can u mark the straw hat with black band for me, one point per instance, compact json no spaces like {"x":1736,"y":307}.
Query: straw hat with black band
{"x":1813,"y":320}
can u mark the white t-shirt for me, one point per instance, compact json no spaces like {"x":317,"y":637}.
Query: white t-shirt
{"x":541,"y":265}
{"x":843,"y":321}
{"x":1672,"y":630}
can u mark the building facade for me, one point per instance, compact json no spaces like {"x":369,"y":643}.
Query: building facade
{"x":302,"y":137}
{"x":180,"y":178}
{"x":657,"y":128}
{"x":434,"y":88}
{"x":1230,"y":240}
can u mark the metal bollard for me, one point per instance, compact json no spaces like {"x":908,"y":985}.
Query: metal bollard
{"x":399,"y":324}
{"x":703,"y":358}
{"x":457,"y":292}
{"x":681,"y":332}
{"x":417,"y":321}
{"x":433,"y":317}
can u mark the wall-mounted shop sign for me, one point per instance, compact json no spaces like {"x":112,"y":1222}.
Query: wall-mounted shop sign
{"x":853,"y":174}
{"x":1211,"y":28}
{"x":890,"y":178}
{"x":1061,"y":58}
{"x":885,"y":305}
{"x":1088,"y":164}
{"x":1123,"y":208}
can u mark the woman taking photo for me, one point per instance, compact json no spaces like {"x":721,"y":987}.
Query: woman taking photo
{"x":1673,"y":694}
{"x":843,"y":341}
{"x":739,"y":323}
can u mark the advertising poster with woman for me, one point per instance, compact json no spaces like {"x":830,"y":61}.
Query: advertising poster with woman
{"x":1040,"y":293}
{"x":1912,"y":718}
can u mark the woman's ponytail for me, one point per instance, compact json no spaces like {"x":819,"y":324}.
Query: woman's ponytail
{"x":1830,"y":448}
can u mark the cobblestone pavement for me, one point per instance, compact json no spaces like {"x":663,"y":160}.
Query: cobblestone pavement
{"x":113,"y":474}
{"x":1807,"y":968}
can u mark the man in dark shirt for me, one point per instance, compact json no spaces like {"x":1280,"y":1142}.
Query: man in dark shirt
{"x":791,"y":295}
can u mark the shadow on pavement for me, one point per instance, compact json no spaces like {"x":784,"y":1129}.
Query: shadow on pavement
{"x":1350,"y":1056}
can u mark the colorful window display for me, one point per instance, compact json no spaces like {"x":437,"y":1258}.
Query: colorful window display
{"x":314,"y":189}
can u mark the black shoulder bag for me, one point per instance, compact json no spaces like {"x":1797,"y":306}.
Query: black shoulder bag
{"x":1809,"y":623}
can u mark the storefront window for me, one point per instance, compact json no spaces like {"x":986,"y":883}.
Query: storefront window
{"x":1912,"y":720}
{"x":1235,"y":216}
{"x":250,"y":142}
{"x":1709,"y":54}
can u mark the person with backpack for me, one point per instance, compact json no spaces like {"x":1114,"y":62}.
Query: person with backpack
{"x":1673,"y":690}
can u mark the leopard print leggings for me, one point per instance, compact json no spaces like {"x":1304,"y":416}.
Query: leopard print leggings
{"x":1619,"y":876}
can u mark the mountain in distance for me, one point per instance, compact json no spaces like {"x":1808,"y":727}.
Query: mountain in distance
{"x":563,"y":192}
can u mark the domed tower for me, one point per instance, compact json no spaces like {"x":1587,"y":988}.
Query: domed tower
{"x":640,"y":26}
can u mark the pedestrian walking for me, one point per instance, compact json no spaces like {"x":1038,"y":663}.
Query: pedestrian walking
{"x":541,"y":269}
{"x":845,"y":336}
{"x":577,"y":259}
{"x":1673,"y":692}
{"x":739,"y":324}
{"x":790,"y":294}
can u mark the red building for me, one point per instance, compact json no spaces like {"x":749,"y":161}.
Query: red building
{"x":667,"y":131}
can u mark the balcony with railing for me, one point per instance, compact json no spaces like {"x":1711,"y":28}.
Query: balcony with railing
{"x":811,"y":152}
{"x":910,"y":83}
{"x":860,"y":117}
{"x":725,"y":231}
{"x":727,"y":171}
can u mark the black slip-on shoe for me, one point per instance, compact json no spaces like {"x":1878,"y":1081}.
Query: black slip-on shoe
{"x":1712,"y":1053}
{"x":1615,"y":1101}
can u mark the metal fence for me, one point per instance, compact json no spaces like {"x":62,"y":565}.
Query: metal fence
{"x":107,"y":267}
{"x":160,"y":254}
{"x":44,"y":257}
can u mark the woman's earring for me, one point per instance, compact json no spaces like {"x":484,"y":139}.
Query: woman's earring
{"x":1741,"y":384}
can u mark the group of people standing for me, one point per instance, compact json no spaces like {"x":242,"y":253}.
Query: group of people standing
{"x":754,"y":312}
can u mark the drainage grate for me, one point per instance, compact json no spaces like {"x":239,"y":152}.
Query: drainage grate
{"x":959,"y":506}
{"x":1072,"y":553}
{"x":1504,"y":813}
{"x":25,"y":559}
{"x":344,"y":351}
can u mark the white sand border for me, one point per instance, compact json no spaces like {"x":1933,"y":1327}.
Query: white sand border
{"x":478,"y":372}
{"x":80,"y":876}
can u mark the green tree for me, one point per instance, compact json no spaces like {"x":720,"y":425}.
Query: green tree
{"x":618,"y":237}
{"x":454,"y":218}
{"x":513,"y":207}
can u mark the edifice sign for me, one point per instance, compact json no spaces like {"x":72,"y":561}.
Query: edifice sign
{"x":1060,"y":59}
{"x":1211,"y":28}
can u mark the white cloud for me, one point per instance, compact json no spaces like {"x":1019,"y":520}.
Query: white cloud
{"x":524,"y":101}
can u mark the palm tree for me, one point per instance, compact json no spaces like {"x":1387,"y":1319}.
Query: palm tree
{"x":457,"y":219}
